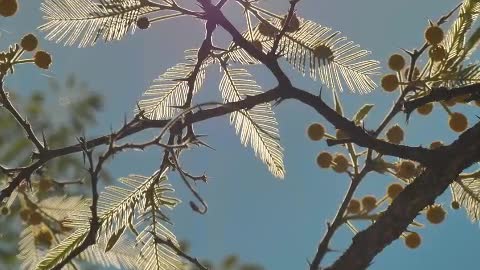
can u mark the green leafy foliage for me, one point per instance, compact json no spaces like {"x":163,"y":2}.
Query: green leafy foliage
{"x":257,"y":126}
{"x":86,"y":20}
{"x":169,"y":91}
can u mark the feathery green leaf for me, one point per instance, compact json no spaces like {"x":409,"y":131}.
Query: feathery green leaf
{"x":256,"y":126}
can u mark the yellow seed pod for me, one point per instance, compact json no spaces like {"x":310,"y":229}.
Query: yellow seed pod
{"x":436,"y":144}
{"x":143,"y":23}
{"x":324,"y":53}
{"x":44,"y":237}
{"x":390,"y":82}
{"x":437,"y":53}
{"x":316,"y":131}
{"x":294,"y":24}
{"x":267,"y":30}
{"x":341,"y":134}
{"x":257,"y":44}
{"x":455,"y":205}
{"x":396,"y":62}
{"x":461,"y":98}
{"x":324,"y":160}
{"x":353,"y":207}
{"x":395,"y":134}
{"x":406,"y":169}
{"x":369,"y":203}
{"x":393,"y":190}
{"x":436,"y":214}
{"x":340,"y":163}
{"x":42,"y":59}
{"x":413,"y":240}
{"x":5,"y":210}
{"x":458,"y":122}
{"x":434,"y":34}
{"x":29,"y":42}
{"x":8,"y":7}
{"x":425,"y":109}
{"x":379,"y":165}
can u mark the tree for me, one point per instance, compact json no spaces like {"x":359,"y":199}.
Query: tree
{"x":126,"y":224}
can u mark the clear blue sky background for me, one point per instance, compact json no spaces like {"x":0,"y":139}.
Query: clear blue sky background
{"x":275,"y":223}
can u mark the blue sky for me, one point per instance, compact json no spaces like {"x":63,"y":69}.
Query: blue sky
{"x":275,"y":223}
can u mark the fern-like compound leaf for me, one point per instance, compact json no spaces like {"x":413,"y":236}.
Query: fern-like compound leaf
{"x":122,"y":256}
{"x":60,"y":207}
{"x":118,"y":207}
{"x":257,"y":126}
{"x":455,"y":39}
{"x":86,"y":20}
{"x":170,"y":90}
{"x":467,"y":193}
{"x":58,"y":253}
{"x":156,"y":255}
{"x":29,"y":253}
{"x":322,"y":53}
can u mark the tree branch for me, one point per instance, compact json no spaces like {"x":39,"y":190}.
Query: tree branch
{"x":415,"y":197}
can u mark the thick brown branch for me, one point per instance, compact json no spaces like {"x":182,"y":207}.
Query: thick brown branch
{"x":443,"y":94}
{"x":416,"y":196}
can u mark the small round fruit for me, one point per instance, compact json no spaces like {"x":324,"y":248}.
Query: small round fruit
{"x":413,"y":240}
{"x":455,"y":205}
{"x":340,"y":163}
{"x":437,"y":53}
{"x":5,"y":210}
{"x":396,"y":62}
{"x":42,"y":59}
{"x":406,"y":169}
{"x":44,"y":237}
{"x":8,"y":7}
{"x":393,"y":190}
{"x":436,"y":145}
{"x":324,"y":54}
{"x":143,"y":23}
{"x":425,"y":109}
{"x":35,"y":218}
{"x":434,"y":34}
{"x":390,"y":82}
{"x":341,"y":134}
{"x":379,"y":165}
{"x":316,"y":131}
{"x":353,"y":207}
{"x":267,"y":30}
{"x":324,"y":160}
{"x":395,"y":134}
{"x":435,"y":214}
{"x":369,"y":203}
{"x":257,"y":44}
{"x":294,"y":24}
{"x":458,"y":122}
{"x":461,"y":98}
{"x":29,"y":42}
